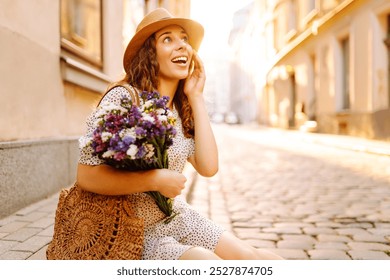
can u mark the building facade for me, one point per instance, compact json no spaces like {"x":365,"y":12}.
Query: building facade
{"x":57,"y":58}
{"x":330,"y":67}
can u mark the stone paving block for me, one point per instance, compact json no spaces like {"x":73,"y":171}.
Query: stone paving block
{"x":247,"y":232}
{"x":53,"y":201}
{"x":299,"y":237}
{"x":15,"y":255}
{"x":368,"y":255}
{"x":39,"y":255}
{"x":241,"y":217}
{"x":6,"y":245}
{"x":351,"y":231}
{"x":31,"y":217}
{"x":305,"y":210}
{"x":263,"y":219}
{"x":382,"y":225}
{"x":13,"y":226}
{"x":326,"y":254}
{"x":360,"y":225}
{"x":49,"y":210}
{"x":331,"y":245}
{"x":368,"y":246}
{"x":292,"y":224}
{"x":22,"y":234}
{"x":279,"y":211}
{"x":42,"y":223}
{"x":251,"y":224}
{"x":315,"y":219}
{"x":318,"y":230}
{"x":333,"y":238}
{"x":290,"y":254}
{"x":281,"y":230}
{"x":380,"y":217}
{"x":369,"y":238}
{"x":246,"y":235}
{"x":47,"y":232}
{"x":260,"y":243}
{"x":294,"y":244}
{"x":32,"y":244}
{"x":268,"y":236}
{"x":29,"y":209}
{"x":7,"y":220}
{"x":329,"y":225}
{"x":383,"y":231}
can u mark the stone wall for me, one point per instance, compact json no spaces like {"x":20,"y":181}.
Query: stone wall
{"x":33,"y":170}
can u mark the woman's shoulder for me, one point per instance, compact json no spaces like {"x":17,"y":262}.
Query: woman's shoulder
{"x":117,"y":91}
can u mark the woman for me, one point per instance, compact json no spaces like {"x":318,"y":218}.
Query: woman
{"x":162,"y":57}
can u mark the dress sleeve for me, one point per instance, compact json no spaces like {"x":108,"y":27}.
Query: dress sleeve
{"x":86,"y":153}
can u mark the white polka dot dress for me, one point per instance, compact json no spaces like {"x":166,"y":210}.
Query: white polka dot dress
{"x":187,"y":229}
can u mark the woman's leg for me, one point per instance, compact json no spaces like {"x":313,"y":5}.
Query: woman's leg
{"x":230,"y":247}
{"x":198,"y":253}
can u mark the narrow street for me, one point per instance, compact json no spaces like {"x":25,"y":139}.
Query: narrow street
{"x":280,"y":190}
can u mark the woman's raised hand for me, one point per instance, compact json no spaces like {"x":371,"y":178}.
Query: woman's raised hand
{"x":195,"y":82}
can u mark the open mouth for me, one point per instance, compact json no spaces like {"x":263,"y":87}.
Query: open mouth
{"x":180,"y":60}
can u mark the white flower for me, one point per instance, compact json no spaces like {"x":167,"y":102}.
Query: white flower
{"x":149,"y":151}
{"x":160,"y":111}
{"x":147,"y":105}
{"x":84,"y":142}
{"x":147,"y":117}
{"x":132,"y":151}
{"x":106,"y":108}
{"x":106,"y":136}
{"x":128,"y":132}
{"x":163,"y":118}
{"x":108,"y":154}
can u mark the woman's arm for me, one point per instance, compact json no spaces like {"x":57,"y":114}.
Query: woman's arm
{"x":205,"y":159}
{"x":104,"y":179}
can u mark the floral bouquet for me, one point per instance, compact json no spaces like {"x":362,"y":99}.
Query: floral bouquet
{"x":134,"y":137}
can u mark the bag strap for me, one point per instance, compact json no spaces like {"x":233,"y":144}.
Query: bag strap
{"x":132,"y":91}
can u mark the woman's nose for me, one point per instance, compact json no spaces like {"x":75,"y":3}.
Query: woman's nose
{"x":181,"y":44}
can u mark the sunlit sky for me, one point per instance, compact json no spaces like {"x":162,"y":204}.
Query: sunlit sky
{"x":216,"y":17}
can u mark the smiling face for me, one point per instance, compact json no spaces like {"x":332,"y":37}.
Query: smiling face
{"x":173,"y":52}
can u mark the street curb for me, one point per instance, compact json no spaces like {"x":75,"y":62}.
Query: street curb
{"x":376,"y":147}
{"x":346,"y":142}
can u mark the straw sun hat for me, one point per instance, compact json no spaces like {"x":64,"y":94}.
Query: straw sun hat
{"x":153,"y":22}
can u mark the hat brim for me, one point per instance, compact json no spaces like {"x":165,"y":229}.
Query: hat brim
{"x":194,"y":30}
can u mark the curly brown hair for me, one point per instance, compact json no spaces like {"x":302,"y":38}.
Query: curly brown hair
{"x":142,"y":73}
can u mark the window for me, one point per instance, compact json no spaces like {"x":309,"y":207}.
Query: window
{"x":387,"y":42}
{"x":328,"y":5}
{"x":81,"y":29}
{"x":307,"y":11}
{"x":346,"y":73}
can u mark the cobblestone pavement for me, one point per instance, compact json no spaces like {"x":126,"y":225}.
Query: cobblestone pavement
{"x":284,"y":191}
{"x":295,"y":194}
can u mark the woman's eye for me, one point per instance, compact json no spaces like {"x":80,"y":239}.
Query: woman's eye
{"x":185,"y":39}
{"x":167,"y":40}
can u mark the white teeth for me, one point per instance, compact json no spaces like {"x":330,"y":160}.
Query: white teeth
{"x":180,"y":59}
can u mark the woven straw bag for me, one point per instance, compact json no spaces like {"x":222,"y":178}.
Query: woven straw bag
{"x":90,"y":226}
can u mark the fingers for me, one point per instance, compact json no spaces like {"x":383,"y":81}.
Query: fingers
{"x":198,"y":63}
{"x":172,"y":184}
